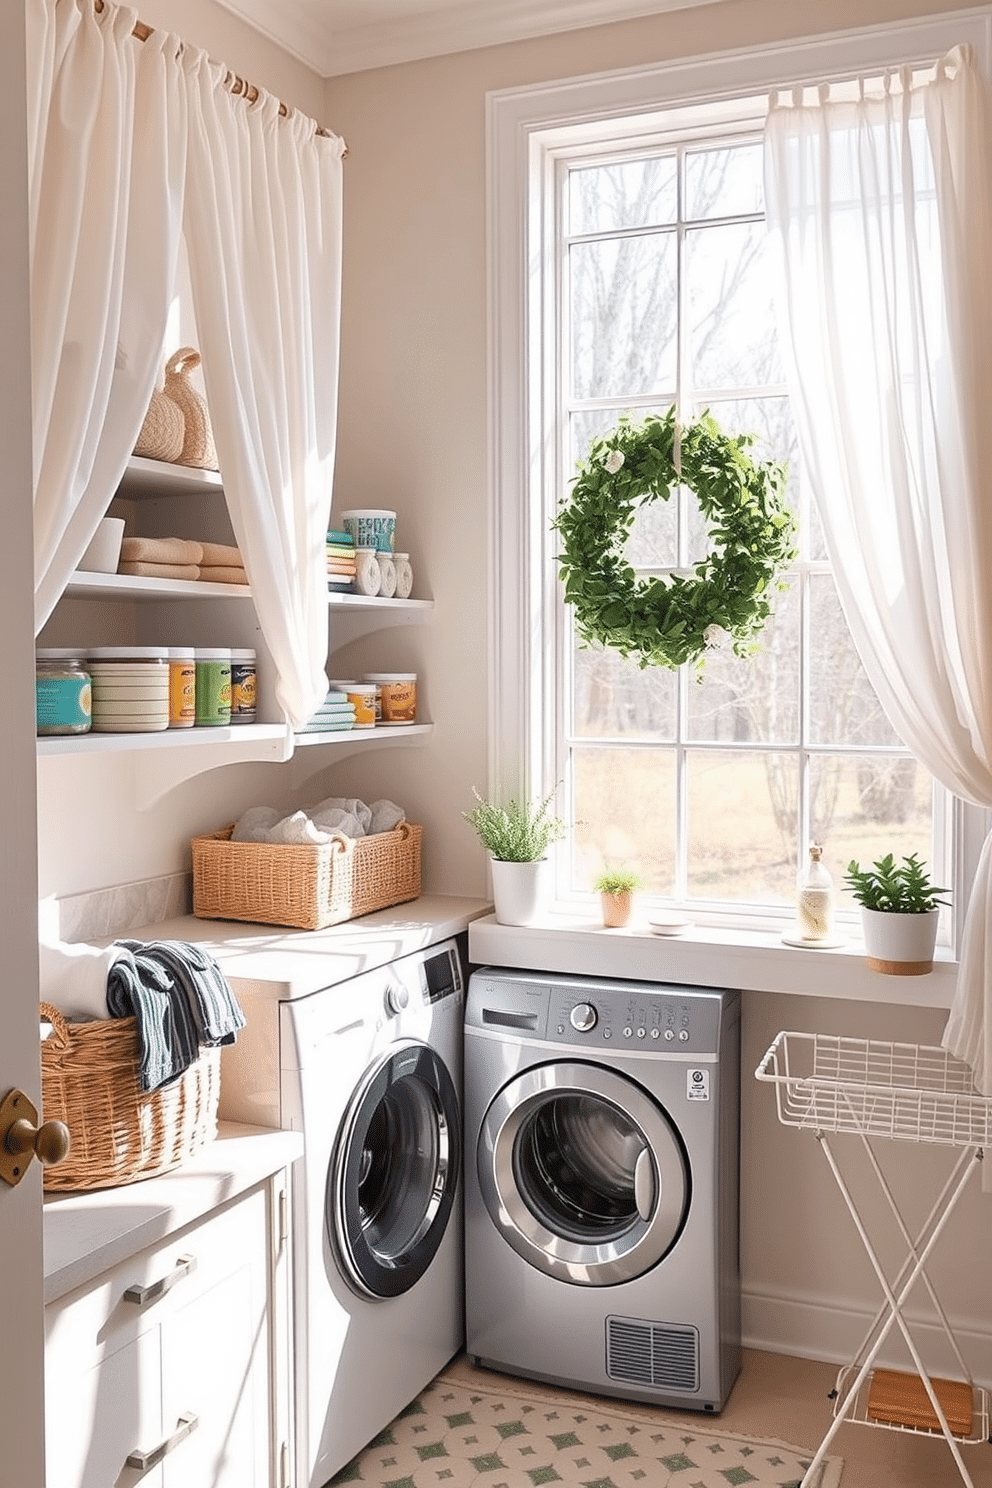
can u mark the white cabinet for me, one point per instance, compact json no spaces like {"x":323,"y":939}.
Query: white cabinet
{"x":173,"y":1366}
{"x":159,"y":500}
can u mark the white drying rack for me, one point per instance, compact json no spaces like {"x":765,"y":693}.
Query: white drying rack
{"x":905,"y":1092}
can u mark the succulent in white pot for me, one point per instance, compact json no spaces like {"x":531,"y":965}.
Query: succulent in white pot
{"x":900,"y":909}
{"x":517,"y":837}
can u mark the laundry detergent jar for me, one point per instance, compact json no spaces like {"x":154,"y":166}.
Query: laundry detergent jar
{"x":130,"y":689}
{"x":396,"y":697}
{"x":63,"y":694}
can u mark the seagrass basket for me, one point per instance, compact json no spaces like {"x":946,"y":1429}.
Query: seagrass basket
{"x":198,"y":439}
{"x":305,"y":886}
{"x":120,"y":1133}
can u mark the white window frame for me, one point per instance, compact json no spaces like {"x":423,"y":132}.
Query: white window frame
{"x":525,"y":129}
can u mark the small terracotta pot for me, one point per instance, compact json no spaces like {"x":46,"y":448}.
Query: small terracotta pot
{"x":616,"y":909}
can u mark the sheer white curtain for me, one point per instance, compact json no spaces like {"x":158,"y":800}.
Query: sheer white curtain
{"x":881,"y":210}
{"x":263,"y":233}
{"x":106,"y":161}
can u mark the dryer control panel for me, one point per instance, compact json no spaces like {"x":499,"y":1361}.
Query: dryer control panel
{"x":669,"y":1021}
{"x":646,"y":1017}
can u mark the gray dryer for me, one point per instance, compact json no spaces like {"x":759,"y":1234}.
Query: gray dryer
{"x":601,"y":1184}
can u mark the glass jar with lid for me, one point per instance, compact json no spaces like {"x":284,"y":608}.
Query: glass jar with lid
{"x":63,"y":696}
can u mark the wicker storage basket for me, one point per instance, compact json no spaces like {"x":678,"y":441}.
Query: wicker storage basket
{"x":198,"y":439}
{"x":305,"y":887}
{"x":89,"y":1080}
{"x":163,"y":431}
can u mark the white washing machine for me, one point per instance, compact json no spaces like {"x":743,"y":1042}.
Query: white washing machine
{"x":370,"y":1071}
{"x":601,"y":1184}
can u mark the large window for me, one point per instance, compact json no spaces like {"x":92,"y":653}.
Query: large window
{"x":630,"y":272}
{"x":712,"y":783}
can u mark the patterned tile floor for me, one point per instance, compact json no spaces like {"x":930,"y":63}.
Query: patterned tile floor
{"x":458,"y":1435}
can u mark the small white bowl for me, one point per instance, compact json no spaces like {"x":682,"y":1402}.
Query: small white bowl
{"x":669,"y":924}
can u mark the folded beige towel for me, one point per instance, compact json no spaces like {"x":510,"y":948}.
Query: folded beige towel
{"x":223,"y":554}
{"x":217,"y":573}
{"x":160,"y":570}
{"x":160,"y":550}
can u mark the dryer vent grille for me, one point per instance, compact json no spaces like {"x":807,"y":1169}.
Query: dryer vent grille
{"x":661,"y":1355}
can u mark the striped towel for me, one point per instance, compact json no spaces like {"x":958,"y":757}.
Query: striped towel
{"x":180,"y":998}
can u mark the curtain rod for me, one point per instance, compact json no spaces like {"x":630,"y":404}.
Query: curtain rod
{"x":238,"y":85}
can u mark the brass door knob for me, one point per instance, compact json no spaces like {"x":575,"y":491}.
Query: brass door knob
{"x":21,"y":1138}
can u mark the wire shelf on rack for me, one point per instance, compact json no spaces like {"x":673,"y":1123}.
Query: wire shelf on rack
{"x":911,"y":1092}
{"x":858,"y":1410}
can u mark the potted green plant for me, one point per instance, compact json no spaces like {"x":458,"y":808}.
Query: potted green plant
{"x":517,"y":837}
{"x":615,"y":887}
{"x":900,"y":907}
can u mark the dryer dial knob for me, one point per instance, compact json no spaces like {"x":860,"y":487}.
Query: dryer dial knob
{"x":397,"y":998}
{"x":583,"y":1017}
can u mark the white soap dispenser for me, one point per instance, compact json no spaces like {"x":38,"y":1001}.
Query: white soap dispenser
{"x":815,"y":899}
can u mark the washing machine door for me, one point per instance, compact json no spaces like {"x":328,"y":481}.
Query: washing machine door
{"x":583,"y":1173}
{"x":394,"y":1171}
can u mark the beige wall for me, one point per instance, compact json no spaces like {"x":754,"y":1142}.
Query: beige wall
{"x":413,"y":436}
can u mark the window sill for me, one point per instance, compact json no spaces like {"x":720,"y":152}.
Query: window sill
{"x":749,"y":959}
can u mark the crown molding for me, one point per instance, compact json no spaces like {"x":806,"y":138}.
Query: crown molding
{"x":295,"y":25}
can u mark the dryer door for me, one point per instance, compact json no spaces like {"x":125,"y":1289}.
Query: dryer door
{"x":394,"y":1171}
{"x":583,"y":1174}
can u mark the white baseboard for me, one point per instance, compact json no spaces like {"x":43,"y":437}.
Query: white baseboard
{"x":812,"y":1328}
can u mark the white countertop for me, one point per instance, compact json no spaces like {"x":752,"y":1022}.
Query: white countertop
{"x":85,"y":1233}
{"x":704,"y":957}
{"x":295,"y":963}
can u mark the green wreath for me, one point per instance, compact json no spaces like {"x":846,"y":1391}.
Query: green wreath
{"x":671,"y":620}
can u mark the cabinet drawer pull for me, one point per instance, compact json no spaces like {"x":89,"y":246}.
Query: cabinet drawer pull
{"x":142,"y":1295}
{"x":144,"y":1460}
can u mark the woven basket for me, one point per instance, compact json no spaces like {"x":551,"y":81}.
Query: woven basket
{"x":198,"y":440}
{"x":308,"y":886}
{"x":89,"y":1080}
{"x":163,"y":430}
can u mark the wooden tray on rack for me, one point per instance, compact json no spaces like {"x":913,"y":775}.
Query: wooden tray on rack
{"x":901,"y":1400}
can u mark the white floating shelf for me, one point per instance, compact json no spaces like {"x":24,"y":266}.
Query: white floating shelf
{"x":246,"y":740}
{"x":144,"y":478}
{"x":84,"y":585}
{"x":365,"y":738}
{"x":130,"y":586}
{"x":337,"y":600}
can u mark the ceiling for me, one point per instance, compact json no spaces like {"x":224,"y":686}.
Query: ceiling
{"x":337,"y":36}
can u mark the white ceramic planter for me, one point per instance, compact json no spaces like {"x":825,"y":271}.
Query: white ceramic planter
{"x":521,"y":891}
{"x":900,"y":944}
